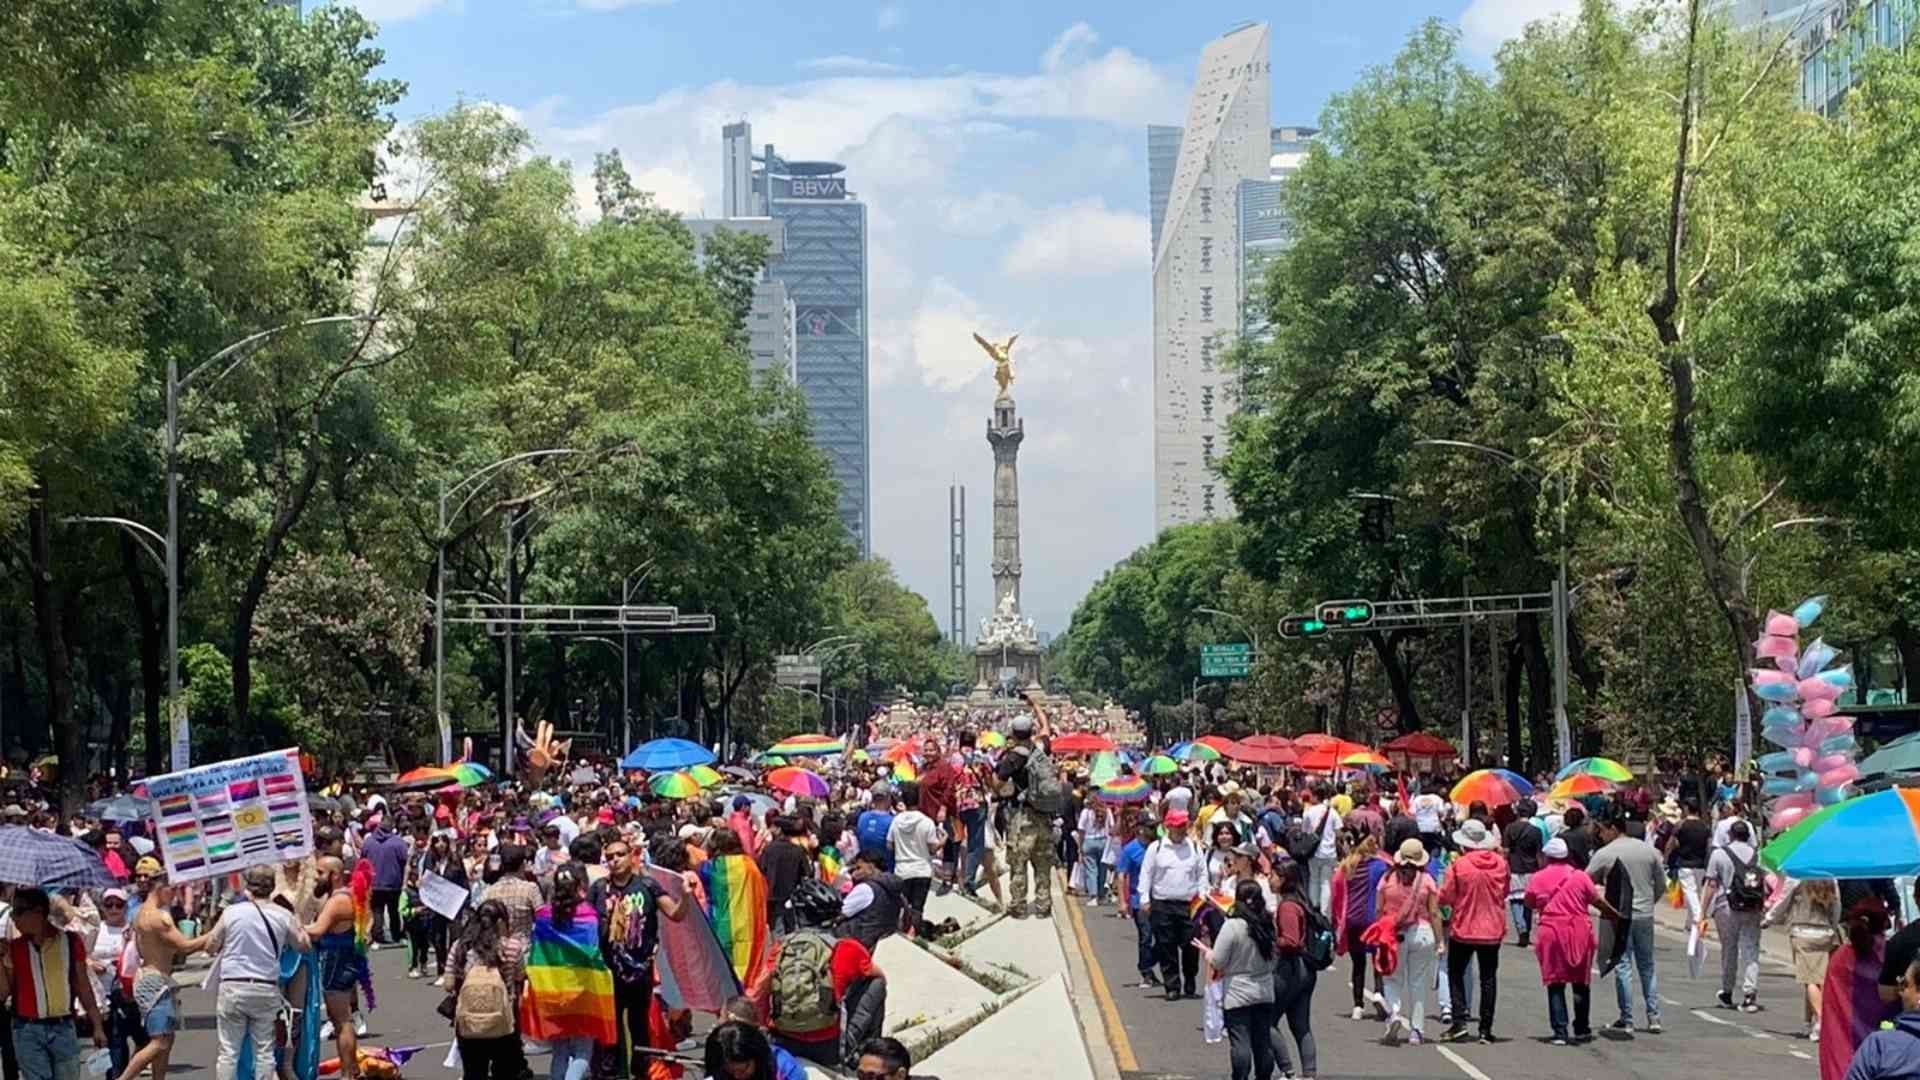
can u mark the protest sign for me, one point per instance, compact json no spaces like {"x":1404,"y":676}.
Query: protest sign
{"x":220,"y":818}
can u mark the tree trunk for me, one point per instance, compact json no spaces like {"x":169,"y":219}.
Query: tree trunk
{"x":242,"y":734}
{"x":50,"y":627}
{"x":1907,"y":642}
{"x":153,"y":676}
{"x":1541,"y":743}
{"x":1516,"y":740}
{"x":1386,"y":646}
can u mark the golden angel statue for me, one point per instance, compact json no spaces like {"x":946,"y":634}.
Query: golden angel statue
{"x":1002,"y":358}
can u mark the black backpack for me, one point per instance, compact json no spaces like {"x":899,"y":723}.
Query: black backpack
{"x":1748,"y":890}
{"x":1303,"y":843}
{"x":1317,"y":950}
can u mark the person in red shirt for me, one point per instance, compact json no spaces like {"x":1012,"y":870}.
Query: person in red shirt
{"x":859,"y":986}
{"x":1475,"y":891}
{"x":938,"y":787}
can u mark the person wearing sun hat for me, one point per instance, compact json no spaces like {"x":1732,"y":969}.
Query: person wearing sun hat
{"x":1563,"y":939}
{"x":1409,"y":896}
{"x":1475,"y":892}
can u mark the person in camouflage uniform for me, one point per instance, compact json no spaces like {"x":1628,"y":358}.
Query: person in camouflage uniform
{"x":1030,"y":836}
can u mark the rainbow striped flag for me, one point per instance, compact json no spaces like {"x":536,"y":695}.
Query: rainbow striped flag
{"x":737,"y":907}
{"x":830,"y":865}
{"x":569,"y":989}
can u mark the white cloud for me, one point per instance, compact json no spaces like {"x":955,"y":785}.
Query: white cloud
{"x":1487,"y":24}
{"x":393,"y":11}
{"x":1083,"y":239}
{"x":890,"y":17}
{"x":850,"y":65}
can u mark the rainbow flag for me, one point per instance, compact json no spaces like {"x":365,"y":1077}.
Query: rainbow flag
{"x":830,"y":865}
{"x":737,"y":907}
{"x":360,"y":887}
{"x":569,"y":989}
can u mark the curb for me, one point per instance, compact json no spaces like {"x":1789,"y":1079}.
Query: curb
{"x":1090,"y":997}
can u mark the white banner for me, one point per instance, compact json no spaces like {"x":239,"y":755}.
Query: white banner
{"x":220,"y":818}
{"x":443,"y":896}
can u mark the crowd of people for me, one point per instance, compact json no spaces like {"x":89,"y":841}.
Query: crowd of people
{"x":1243,"y":885}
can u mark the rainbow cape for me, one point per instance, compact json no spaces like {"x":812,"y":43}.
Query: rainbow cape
{"x":360,"y":887}
{"x":569,"y":989}
{"x":737,"y":907}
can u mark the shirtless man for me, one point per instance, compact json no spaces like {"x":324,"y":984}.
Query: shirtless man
{"x":160,"y":944}
{"x":341,"y":965}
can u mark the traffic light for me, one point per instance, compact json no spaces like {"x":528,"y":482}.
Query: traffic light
{"x":1302,"y":626}
{"x":1346,"y":613}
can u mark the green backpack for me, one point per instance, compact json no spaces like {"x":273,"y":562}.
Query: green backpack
{"x":803,"y":1000}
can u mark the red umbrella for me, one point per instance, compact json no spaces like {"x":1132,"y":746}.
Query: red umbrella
{"x":1313,"y":741}
{"x":1326,"y":756}
{"x":1420,"y":744}
{"x":1217,"y":742}
{"x":1263,"y":750}
{"x":1081,"y":742}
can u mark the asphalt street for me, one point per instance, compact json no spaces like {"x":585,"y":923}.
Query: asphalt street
{"x":1161,"y":1040}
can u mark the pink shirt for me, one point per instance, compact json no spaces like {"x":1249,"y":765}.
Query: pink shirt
{"x":1406,"y":903}
{"x":1476,"y":890}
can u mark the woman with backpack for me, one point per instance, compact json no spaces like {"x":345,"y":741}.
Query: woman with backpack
{"x":569,"y":1003}
{"x":1243,"y":958}
{"x":1305,"y":943}
{"x":487,"y":969}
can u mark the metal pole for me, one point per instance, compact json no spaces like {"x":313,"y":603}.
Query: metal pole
{"x":440,"y":628}
{"x":626,"y":716}
{"x":181,"y":734}
{"x":506,"y":699}
{"x":1466,"y":691}
{"x":1563,"y":736}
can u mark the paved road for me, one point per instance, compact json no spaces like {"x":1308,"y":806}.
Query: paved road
{"x":1162,"y":1040}
{"x":406,"y":1017}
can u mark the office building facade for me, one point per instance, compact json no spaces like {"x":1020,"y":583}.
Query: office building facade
{"x":770,"y":322}
{"x":1831,"y":38}
{"x":821,"y":274}
{"x":1226,"y":141}
{"x":1265,"y":228}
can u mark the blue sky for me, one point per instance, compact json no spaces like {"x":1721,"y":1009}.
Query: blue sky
{"x":1001,"y":150}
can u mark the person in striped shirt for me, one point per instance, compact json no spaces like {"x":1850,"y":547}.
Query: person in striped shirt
{"x":43,"y":969}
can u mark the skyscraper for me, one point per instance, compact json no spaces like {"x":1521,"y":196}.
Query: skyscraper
{"x":822,"y":269}
{"x":1197,"y":264}
{"x":1265,"y":230}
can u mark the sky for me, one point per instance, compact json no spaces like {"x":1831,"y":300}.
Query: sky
{"x":1000,"y":148}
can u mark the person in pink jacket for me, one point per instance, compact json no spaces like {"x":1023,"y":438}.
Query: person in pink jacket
{"x":1475,"y":892}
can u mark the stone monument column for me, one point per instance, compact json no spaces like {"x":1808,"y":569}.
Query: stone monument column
{"x":1004,"y":433}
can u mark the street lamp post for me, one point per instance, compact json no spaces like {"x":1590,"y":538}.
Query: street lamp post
{"x":1563,"y":735}
{"x":468,"y":487}
{"x":176,"y":385}
{"x":627,"y":586}
{"x":1253,"y":635}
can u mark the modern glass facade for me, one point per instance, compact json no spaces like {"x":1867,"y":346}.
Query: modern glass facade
{"x":1265,"y":230}
{"x":1163,"y":153}
{"x":825,"y":274}
{"x":1831,"y":38}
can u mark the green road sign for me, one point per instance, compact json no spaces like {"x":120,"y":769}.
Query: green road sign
{"x":1227,"y":661}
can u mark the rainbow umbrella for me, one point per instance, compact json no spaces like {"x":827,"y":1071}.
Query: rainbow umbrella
{"x":901,"y":751}
{"x":991,"y":740}
{"x":1125,"y":789}
{"x":705,"y":775}
{"x":1604,"y":768}
{"x":798,"y":781}
{"x":904,"y":770}
{"x":1105,"y":767}
{"x":675,"y":785}
{"x":1159,"y":765}
{"x":470,"y":773}
{"x":1495,"y":787}
{"x":426,"y":776}
{"x":1580,"y":784}
{"x":1869,"y":836}
{"x":1366,"y":759}
{"x":807,"y":745}
{"x":1193,"y":751}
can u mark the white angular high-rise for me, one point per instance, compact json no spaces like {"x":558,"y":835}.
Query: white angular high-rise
{"x":1226,"y":140}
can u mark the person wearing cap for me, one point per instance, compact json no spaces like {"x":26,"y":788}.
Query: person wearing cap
{"x":1029,"y":828}
{"x":1172,"y":872}
{"x":246,"y":944}
{"x":1408,"y":895}
{"x":1563,"y":940}
{"x":1474,"y":890}
{"x":103,"y":962}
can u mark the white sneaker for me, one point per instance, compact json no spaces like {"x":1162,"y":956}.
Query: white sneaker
{"x":1396,"y":1031}
{"x":1093,"y":901}
{"x":326,"y":1031}
{"x":1813,"y":1032}
{"x":1379,"y":1003}
{"x":360,"y":1024}
{"x":1359,"y":1012}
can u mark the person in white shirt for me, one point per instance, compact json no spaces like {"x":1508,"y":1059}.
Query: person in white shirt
{"x":103,"y":964}
{"x":1094,"y":826}
{"x":1172,"y":873}
{"x":1323,"y":821}
{"x":914,"y":837}
{"x":246,"y":945}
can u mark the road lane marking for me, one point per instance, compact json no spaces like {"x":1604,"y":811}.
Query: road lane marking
{"x":1742,"y":1028}
{"x":1462,"y":1064}
{"x":1109,"y":1012}
{"x":1801,"y":1054}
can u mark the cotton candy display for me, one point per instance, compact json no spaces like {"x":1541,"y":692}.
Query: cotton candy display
{"x":1815,"y":763}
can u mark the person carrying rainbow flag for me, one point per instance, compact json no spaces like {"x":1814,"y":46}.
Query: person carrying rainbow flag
{"x":569,"y":998}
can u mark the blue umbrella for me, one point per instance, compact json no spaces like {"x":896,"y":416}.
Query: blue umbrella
{"x":120,"y":808}
{"x":1520,"y":783}
{"x":45,"y":861}
{"x":666,"y":755}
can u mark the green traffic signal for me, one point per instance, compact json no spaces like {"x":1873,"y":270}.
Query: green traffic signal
{"x":1312,"y":627}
